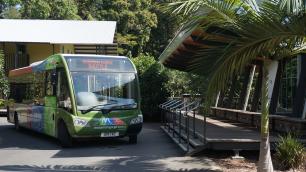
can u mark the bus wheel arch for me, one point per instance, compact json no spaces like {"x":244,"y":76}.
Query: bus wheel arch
{"x":63,"y":134}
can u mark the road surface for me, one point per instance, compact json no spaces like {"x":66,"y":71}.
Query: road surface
{"x":29,"y":151}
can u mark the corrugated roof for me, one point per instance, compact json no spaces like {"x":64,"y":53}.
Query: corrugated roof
{"x":57,"y":31}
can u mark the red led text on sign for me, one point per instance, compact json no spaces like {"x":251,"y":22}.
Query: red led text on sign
{"x":97,"y":64}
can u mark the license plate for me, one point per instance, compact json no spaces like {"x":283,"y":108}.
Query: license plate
{"x":110,"y":134}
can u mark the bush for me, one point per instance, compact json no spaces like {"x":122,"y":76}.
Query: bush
{"x":4,"y":87}
{"x":152,"y":79}
{"x":290,"y":153}
{"x":2,"y":103}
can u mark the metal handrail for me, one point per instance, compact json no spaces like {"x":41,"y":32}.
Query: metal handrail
{"x":167,"y":103}
{"x":180,"y":109}
{"x":178,"y":105}
{"x":173,"y":104}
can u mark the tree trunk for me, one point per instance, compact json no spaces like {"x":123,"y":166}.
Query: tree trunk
{"x":265,"y":161}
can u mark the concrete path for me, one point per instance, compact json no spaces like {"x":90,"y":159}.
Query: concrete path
{"x":30,"y":151}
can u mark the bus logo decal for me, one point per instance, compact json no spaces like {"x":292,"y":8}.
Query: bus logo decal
{"x":111,"y":121}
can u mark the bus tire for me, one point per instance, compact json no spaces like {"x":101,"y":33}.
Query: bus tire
{"x":8,"y":113}
{"x":16,"y":122}
{"x":133,"y":139}
{"x":63,"y":135}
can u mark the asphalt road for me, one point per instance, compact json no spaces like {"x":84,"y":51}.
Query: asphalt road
{"x":29,"y":151}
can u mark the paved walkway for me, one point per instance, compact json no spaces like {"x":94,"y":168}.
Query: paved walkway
{"x":30,"y":151}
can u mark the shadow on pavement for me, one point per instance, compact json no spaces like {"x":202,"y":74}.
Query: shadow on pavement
{"x":154,"y":152}
{"x":111,"y":166}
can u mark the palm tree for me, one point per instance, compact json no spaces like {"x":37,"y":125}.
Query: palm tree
{"x":248,"y":30}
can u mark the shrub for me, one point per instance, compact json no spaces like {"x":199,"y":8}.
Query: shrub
{"x":2,"y":103}
{"x":290,"y":153}
{"x":4,"y":87}
{"x":152,"y":79}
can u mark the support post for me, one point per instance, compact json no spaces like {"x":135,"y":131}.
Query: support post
{"x":249,"y":86}
{"x":243,"y":91}
{"x":276,"y":87}
{"x":257,"y":91}
{"x":217,"y":99}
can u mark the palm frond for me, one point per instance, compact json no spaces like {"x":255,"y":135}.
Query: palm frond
{"x":292,"y":6}
{"x":259,"y":35}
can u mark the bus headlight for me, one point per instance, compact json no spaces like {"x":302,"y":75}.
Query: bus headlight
{"x":137,"y":120}
{"x":80,"y":122}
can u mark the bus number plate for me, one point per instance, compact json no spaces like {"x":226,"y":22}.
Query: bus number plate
{"x":110,"y":134}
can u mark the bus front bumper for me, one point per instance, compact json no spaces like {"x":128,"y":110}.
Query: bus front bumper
{"x":129,"y":130}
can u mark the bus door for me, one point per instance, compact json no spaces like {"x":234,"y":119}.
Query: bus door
{"x":63,"y":96}
{"x":50,"y":102}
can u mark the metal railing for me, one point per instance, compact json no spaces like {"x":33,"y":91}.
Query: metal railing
{"x":173,"y":112}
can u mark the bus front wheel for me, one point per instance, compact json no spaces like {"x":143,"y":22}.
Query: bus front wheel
{"x":133,"y":139}
{"x":63,"y":135}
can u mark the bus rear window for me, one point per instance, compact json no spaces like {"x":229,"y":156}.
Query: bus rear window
{"x":107,"y":64}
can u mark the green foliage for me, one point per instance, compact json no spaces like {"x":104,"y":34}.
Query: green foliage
{"x":11,"y":13}
{"x":6,"y":6}
{"x":2,"y":103}
{"x":254,"y":30}
{"x":179,"y":83}
{"x":134,"y":22}
{"x":290,"y":153}
{"x":44,"y":9}
{"x":4,"y":87}
{"x":152,"y":85}
{"x":167,"y":25}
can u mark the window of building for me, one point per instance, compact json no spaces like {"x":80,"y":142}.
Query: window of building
{"x":288,"y":86}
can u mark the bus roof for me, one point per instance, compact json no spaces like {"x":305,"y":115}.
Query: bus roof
{"x":91,"y":55}
{"x":40,"y":65}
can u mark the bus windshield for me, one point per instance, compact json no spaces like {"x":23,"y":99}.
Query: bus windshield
{"x":101,"y":81}
{"x":105,"y":88}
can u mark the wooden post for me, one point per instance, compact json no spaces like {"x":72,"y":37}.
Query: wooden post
{"x":249,"y":86}
{"x":243,"y":91}
{"x":257,"y":91}
{"x":275,"y":93}
{"x":217,"y":99}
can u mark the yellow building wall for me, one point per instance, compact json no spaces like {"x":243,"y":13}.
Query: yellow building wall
{"x":38,"y":52}
{"x":67,"y":49}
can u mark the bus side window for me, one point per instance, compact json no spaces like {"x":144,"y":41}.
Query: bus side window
{"x":17,"y":92}
{"x":50,"y":83}
{"x":39,"y":86}
{"x":63,"y":94}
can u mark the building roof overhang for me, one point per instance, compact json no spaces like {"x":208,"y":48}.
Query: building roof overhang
{"x":57,"y":31}
{"x":181,"y":52}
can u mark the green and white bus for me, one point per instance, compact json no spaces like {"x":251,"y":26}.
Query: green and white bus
{"x":70,"y":97}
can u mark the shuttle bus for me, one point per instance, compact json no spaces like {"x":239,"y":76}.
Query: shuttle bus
{"x":71,"y":97}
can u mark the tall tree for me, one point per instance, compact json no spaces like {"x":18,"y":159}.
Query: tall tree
{"x":167,"y":25}
{"x":134,"y":22}
{"x":44,"y":9}
{"x":267,"y":31}
{"x":6,"y":5}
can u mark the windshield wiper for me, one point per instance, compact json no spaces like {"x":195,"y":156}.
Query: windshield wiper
{"x":123,"y":106}
{"x":95,"y":106}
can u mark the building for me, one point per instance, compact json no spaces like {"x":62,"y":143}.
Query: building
{"x":26,"y":41}
{"x":287,"y":84}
